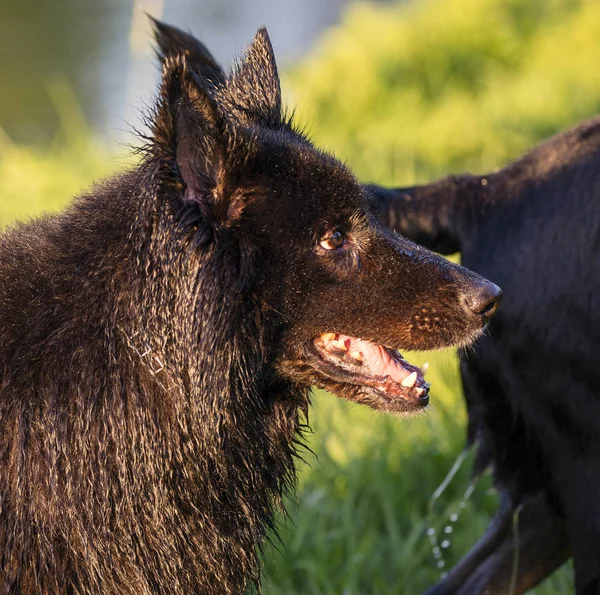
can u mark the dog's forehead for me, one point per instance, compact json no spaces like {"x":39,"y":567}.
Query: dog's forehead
{"x":300,"y":173}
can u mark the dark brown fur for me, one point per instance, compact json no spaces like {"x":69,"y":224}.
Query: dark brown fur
{"x":155,"y":343}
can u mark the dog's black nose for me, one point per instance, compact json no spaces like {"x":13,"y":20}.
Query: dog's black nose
{"x":484,"y":299}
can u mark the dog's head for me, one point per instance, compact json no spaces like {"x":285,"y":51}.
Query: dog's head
{"x":343,"y":294}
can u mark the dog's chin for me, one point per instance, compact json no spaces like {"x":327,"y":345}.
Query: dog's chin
{"x":367,"y":373}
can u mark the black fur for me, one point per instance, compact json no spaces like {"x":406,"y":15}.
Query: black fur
{"x":533,"y":385}
{"x":157,"y":342}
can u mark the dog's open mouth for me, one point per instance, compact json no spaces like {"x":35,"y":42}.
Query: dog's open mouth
{"x":377,"y":371}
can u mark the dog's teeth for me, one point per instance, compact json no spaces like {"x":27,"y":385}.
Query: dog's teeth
{"x":424,"y":368}
{"x":339,"y":345}
{"x":328,"y":336}
{"x":357,"y":355}
{"x":409,"y":380}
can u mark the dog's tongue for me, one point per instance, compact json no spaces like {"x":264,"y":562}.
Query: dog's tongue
{"x":378,"y":358}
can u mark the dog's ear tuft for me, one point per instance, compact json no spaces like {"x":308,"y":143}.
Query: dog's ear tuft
{"x":172,"y":41}
{"x":254,"y":87}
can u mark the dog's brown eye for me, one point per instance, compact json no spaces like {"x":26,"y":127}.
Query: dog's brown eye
{"x":333,"y":240}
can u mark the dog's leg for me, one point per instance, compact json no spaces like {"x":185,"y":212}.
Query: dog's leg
{"x":499,"y":562}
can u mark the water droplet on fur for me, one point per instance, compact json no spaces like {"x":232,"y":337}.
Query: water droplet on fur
{"x":454,"y":518}
{"x":445,"y":544}
{"x":441,"y":564}
{"x":448,"y":529}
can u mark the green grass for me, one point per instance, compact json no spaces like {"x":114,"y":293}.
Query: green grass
{"x":358,"y":524}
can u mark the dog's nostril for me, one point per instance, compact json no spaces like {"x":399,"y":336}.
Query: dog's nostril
{"x":484,"y":300}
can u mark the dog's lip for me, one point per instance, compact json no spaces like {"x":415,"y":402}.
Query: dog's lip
{"x":376,"y":367}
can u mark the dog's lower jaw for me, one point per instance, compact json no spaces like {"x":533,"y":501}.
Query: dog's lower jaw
{"x":380,"y":393}
{"x":375,"y":399}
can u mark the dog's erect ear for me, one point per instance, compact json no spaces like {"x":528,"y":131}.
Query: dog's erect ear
{"x":172,"y":41}
{"x":252,"y":93}
{"x":254,"y":87}
{"x":196,"y":130}
{"x":191,"y":137}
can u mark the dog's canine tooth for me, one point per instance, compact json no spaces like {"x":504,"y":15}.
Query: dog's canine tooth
{"x":357,"y":355}
{"x":424,"y":368}
{"x":409,"y":380}
{"x":328,"y":336}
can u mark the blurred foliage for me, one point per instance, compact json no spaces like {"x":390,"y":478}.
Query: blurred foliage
{"x":45,"y":178}
{"x":404,"y":93}
{"x":414,"y":90}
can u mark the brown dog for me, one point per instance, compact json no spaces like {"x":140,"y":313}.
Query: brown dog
{"x":158,"y":339}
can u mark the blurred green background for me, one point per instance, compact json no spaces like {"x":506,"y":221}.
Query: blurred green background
{"x":404,"y":93}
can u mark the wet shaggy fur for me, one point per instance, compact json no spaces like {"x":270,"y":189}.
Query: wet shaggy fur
{"x":532,"y":385}
{"x":155,"y":342}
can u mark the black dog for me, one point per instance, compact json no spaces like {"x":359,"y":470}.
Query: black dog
{"x":158,"y":338}
{"x":533,"y":385}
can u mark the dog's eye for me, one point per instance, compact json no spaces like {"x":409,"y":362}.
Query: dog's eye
{"x":333,"y":240}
